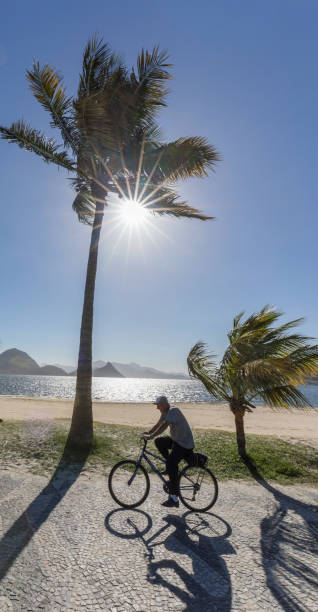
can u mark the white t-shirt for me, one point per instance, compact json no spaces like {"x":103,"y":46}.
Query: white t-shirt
{"x":180,"y":430}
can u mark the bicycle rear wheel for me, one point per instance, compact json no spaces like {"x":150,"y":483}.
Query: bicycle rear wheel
{"x":128,"y":483}
{"x":198,"y":488}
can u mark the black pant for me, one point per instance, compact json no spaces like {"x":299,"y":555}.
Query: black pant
{"x":164,"y":444}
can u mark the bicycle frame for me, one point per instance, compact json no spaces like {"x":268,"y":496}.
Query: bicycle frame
{"x":144,"y":454}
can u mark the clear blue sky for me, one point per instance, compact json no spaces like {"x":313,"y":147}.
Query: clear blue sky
{"x":246,"y":78}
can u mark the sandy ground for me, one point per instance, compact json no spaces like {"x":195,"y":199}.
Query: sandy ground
{"x":295,"y":425}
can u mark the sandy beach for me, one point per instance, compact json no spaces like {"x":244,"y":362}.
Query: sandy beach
{"x":293,"y":425}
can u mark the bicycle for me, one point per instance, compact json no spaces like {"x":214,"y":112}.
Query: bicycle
{"x":129,"y":483}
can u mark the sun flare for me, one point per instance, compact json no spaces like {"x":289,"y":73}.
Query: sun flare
{"x":132,"y":213}
{"x":131,"y":221}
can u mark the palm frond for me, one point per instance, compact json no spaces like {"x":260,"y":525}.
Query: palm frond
{"x":184,"y":158}
{"x":46,"y":86}
{"x":237,"y":319}
{"x":166,"y":202}
{"x":35,"y":141}
{"x":98,"y":63}
{"x":303,"y":363}
{"x":281,"y":329}
{"x":262,"y":372}
{"x":254,"y":326}
{"x":284,"y":396}
{"x":199,"y":358}
{"x":84,"y":206}
{"x":152,"y":74}
{"x":202,"y":366}
{"x":105,"y":117}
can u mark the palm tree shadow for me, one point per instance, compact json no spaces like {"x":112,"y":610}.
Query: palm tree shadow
{"x":208,"y":585}
{"x":21,"y":532}
{"x":289,"y":545}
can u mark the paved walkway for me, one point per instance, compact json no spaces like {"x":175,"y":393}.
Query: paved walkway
{"x":66,"y":546}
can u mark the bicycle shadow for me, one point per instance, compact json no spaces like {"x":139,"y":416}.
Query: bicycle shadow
{"x":29,"y":522}
{"x":289,"y":545}
{"x":208,"y":585}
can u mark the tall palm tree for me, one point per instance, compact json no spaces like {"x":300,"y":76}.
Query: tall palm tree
{"x":112,"y":146}
{"x":261,"y":362}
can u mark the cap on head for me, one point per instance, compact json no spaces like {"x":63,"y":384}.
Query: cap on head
{"x":161,"y":400}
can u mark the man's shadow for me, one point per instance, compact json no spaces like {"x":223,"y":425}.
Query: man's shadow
{"x":21,"y":532}
{"x":208,"y":586}
{"x":289,"y":545}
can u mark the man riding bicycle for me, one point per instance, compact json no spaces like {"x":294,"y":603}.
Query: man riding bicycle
{"x":180,"y":443}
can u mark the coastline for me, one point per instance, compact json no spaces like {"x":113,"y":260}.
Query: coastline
{"x":295,"y":425}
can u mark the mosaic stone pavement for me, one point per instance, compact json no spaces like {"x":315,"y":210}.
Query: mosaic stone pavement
{"x":65,"y":545}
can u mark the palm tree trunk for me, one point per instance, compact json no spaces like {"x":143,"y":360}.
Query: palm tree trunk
{"x":240,"y":434}
{"x":81,"y":431}
{"x":238,"y":410}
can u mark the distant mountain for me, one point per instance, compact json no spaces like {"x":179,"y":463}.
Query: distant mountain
{"x":98,"y":364}
{"x":65,"y":368}
{"x":129,"y":370}
{"x":52,"y":370}
{"x":109,"y":371}
{"x":71,"y":369}
{"x":14,"y":361}
{"x":134,"y":370}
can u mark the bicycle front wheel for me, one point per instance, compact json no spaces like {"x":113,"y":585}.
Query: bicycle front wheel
{"x":198,"y":488}
{"x":128,"y":484}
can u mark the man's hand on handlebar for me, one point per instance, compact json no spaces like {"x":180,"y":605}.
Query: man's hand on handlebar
{"x":146,"y":436}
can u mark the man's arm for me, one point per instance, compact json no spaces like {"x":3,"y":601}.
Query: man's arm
{"x":163,"y":425}
{"x":156,"y":430}
{"x":154,"y":427}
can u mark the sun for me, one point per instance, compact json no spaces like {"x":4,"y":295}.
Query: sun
{"x":132,"y":222}
{"x":132,"y":213}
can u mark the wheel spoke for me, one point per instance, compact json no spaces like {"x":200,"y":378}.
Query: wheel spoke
{"x":197,"y":488}
{"x":128,"y":484}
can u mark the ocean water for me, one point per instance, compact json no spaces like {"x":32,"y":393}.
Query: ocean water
{"x":117,"y":389}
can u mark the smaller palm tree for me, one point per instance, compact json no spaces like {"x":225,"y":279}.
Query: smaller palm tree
{"x":261,"y":362}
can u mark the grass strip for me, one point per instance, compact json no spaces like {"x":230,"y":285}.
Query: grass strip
{"x":37,"y":446}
